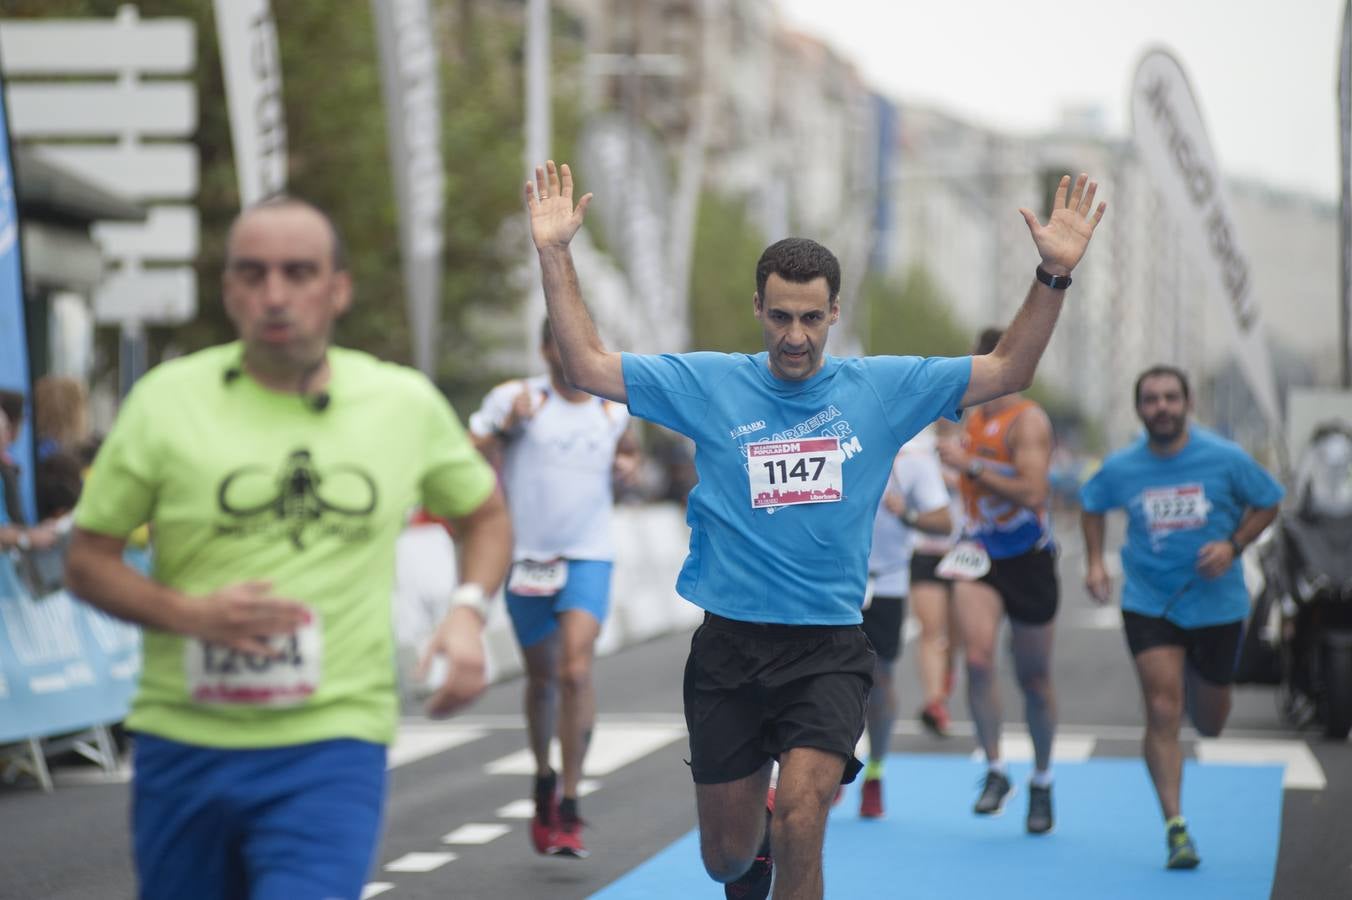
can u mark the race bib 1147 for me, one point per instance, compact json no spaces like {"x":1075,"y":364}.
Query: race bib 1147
{"x":785,"y":473}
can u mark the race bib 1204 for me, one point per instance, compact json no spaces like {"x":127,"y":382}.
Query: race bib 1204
{"x":286,"y":677}
{"x":1175,"y":508}
{"x":785,"y":473}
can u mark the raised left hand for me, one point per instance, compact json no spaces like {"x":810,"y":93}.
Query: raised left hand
{"x":1063,"y":240}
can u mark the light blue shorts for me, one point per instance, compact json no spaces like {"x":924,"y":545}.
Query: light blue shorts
{"x":535,"y":618}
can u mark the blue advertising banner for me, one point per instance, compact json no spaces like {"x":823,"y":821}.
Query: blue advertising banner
{"x":14,"y":372}
{"x":64,"y":666}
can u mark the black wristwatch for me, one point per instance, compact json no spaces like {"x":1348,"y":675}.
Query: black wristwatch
{"x":910,"y":517}
{"x":1055,"y":282}
{"x":1236,"y":546}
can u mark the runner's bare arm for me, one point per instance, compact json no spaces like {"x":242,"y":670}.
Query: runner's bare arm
{"x":587,"y":364}
{"x":1030,"y":444}
{"x":234,"y":616}
{"x":1061,"y":243}
{"x":1096,"y":575}
{"x":1214,"y":558}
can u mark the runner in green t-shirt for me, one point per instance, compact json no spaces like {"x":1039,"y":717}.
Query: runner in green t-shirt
{"x":276,"y":473}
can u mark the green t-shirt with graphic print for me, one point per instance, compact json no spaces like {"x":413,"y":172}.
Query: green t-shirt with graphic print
{"x":241,"y":483}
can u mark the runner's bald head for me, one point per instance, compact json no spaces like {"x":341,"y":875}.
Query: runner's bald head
{"x":281,"y":202}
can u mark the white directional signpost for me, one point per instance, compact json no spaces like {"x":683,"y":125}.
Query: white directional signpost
{"x":92,"y":95}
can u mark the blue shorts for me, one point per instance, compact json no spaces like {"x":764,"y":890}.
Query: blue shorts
{"x":281,"y":823}
{"x":535,"y":618}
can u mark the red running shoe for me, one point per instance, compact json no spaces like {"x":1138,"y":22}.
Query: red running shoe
{"x":935,"y":718}
{"x":566,"y":840}
{"x":546,"y":816}
{"x":871,"y":799}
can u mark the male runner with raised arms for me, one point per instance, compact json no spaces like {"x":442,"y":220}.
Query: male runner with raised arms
{"x":276,"y":473}
{"x":1193,"y":501}
{"x":560,"y":450}
{"x":793,"y":450}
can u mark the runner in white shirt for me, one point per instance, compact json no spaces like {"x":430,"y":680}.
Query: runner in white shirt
{"x":558,"y":450}
{"x":914,"y":501}
{"x":932,"y":595}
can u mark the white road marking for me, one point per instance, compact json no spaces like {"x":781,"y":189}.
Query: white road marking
{"x":517,"y":809}
{"x":375,"y":889}
{"x":476,"y":833}
{"x":1098,"y":618}
{"x":1301,"y":769}
{"x":419,"y":862}
{"x":1065,"y":748}
{"x":613,"y":747}
{"x":588,"y":786}
{"x":414,"y":742}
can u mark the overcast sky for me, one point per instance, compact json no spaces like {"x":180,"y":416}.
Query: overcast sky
{"x":1264,"y":71}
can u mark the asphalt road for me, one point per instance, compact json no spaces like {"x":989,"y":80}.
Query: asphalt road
{"x":73,"y":844}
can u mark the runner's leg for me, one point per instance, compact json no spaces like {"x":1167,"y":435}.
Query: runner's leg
{"x":732,"y":822}
{"x":808,"y":778}
{"x":979,"y":613}
{"x":577,"y":707}
{"x":1160,"y":670}
{"x":1032,"y":648}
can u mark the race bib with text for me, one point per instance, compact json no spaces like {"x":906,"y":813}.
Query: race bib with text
{"x":287,"y":677}
{"x":785,"y":473}
{"x":532,"y":578}
{"x":1175,"y":508}
{"x":967,"y":561}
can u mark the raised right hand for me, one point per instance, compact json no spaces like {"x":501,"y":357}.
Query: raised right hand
{"x":240,"y":616}
{"x":553,"y":218}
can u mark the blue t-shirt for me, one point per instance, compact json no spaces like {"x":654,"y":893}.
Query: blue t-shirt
{"x":802,"y":564}
{"x":1174,"y":505}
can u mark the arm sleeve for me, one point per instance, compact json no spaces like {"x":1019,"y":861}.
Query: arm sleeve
{"x":671,"y":389}
{"x":1096,"y":494}
{"x":456,"y":478}
{"x":120,"y":491}
{"x":917,"y":391}
{"x":1255,"y":485}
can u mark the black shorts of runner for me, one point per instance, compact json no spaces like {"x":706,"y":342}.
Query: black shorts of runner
{"x":883,"y":618}
{"x":1027,"y":585}
{"x":1211,"y":650}
{"x":753,"y":691}
{"x":923,"y":566}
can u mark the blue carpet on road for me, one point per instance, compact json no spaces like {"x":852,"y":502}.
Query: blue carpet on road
{"x":1108,"y":843}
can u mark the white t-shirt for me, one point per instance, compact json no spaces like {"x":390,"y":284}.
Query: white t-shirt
{"x":556,"y":469}
{"x":916,"y":477}
{"x":925,"y":542}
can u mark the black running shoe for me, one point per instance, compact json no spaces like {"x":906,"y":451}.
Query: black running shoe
{"x":1040,"y":819}
{"x":995,"y":790}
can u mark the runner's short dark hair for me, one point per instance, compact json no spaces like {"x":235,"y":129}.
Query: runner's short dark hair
{"x":799,"y":260}
{"x":1155,"y":372}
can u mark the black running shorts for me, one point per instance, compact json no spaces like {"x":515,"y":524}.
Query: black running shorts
{"x":1027,"y":585}
{"x":1212,"y":649}
{"x":923,"y":566}
{"x":883,"y":618}
{"x":753,"y":691}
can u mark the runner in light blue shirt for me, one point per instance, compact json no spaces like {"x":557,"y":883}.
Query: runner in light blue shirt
{"x":1193,"y":502}
{"x":792,"y":452}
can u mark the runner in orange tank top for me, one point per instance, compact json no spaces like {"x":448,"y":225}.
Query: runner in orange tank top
{"x":1004,"y":460}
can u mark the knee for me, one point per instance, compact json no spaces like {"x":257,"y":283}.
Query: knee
{"x":540,"y":685}
{"x":724,"y":866}
{"x":1036,"y":685}
{"x":1163,"y":711}
{"x":575,"y":674}
{"x":980,"y":664}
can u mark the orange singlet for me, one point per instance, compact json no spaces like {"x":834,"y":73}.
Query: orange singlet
{"x":1005,"y":528}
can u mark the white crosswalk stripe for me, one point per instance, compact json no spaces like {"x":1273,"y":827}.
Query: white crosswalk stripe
{"x":476,"y":833}
{"x":420,"y":862}
{"x":612,"y":747}
{"x":1302,"y":770}
{"x":1066,"y":747}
